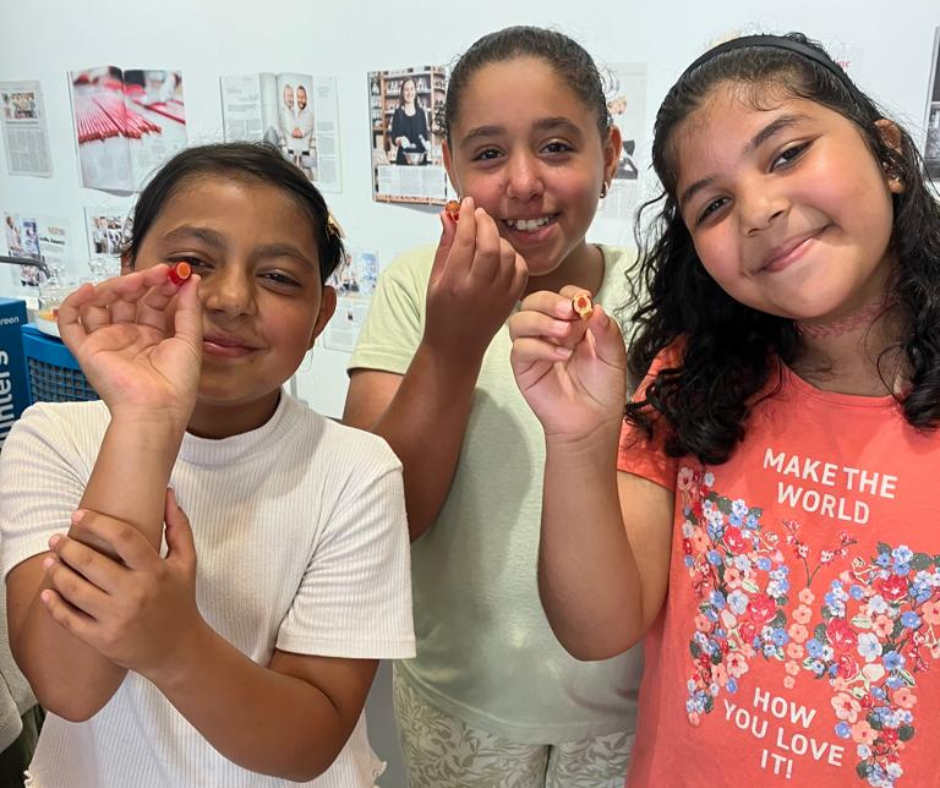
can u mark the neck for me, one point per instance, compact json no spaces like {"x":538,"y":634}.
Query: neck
{"x":584,"y":267}
{"x":856,"y":354}
{"x":858,"y":321}
{"x":217,"y":420}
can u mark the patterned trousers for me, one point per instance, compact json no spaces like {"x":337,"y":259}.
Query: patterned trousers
{"x":442,"y":752}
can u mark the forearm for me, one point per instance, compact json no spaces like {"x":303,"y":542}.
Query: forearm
{"x":68,"y":677}
{"x":425,"y":425}
{"x":128,"y":482}
{"x":260,"y":719}
{"x":588,"y":579}
{"x":132,"y":472}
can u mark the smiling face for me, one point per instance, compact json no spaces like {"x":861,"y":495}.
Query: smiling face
{"x":408,"y":91}
{"x":263,"y":301}
{"x":288,"y":97}
{"x":301,"y":97}
{"x":533,"y":159}
{"x":788,"y":209}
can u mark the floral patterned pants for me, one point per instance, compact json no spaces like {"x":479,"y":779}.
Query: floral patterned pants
{"x":442,"y":752}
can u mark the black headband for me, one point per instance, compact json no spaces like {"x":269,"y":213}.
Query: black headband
{"x":788,"y":44}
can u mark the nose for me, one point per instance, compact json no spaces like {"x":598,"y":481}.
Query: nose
{"x":524,"y":182}
{"x":228,"y":290}
{"x":760,"y":206}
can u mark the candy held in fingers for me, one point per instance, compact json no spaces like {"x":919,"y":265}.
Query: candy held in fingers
{"x":583,"y":305}
{"x":179,"y":273}
{"x":453,"y":210}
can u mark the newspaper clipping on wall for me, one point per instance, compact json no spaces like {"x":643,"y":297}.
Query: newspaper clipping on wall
{"x":42,"y":238}
{"x":298,"y":113}
{"x":108,"y":228}
{"x":25,"y":132}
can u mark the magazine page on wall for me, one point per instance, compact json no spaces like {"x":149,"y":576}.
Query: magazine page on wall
{"x":627,"y":106}
{"x":407,"y":159}
{"x":25,"y":133}
{"x":932,"y":149}
{"x":354,"y":281}
{"x":127,"y":123}
{"x":296,"y":112}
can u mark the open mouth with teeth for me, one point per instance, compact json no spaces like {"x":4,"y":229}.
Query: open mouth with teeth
{"x":530,"y":225}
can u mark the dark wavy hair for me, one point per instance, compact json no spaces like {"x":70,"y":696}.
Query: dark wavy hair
{"x":245,"y":161}
{"x":731,"y":353}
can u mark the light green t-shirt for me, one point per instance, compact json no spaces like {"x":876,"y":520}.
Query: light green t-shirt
{"x":486,"y":654}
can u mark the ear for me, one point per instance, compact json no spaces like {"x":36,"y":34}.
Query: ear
{"x":449,"y":166}
{"x":327,"y":308}
{"x":127,"y":265}
{"x":612,"y":148}
{"x":891,"y":135}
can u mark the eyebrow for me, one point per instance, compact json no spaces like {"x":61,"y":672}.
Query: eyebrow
{"x":770,"y":130}
{"x":204,"y":234}
{"x":545,"y":124}
{"x":217,"y":241}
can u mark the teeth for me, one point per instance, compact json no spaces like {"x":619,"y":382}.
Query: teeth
{"x":528,"y":225}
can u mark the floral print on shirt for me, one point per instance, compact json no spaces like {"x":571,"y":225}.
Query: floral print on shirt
{"x":868,"y":634}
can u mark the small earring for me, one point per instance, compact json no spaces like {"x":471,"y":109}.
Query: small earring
{"x":604,"y":190}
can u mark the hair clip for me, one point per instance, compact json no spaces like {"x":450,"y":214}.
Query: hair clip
{"x":333,"y":227}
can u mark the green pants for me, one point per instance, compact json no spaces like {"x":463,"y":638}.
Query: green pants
{"x":15,"y":759}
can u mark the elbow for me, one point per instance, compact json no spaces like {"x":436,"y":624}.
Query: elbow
{"x":68,"y":708}
{"x":595,"y":649}
{"x":72,"y":701}
{"x":308,"y":765}
{"x":417,"y":528}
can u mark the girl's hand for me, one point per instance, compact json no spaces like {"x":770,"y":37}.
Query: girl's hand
{"x":138,"y":611}
{"x":138,"y":339}
{"x":476,"y":279}
{"x":571,"y":371}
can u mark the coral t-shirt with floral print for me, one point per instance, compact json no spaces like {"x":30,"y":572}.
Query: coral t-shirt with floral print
{"x":799,"y":643}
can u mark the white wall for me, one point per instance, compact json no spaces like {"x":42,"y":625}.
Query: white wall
{"x":41,"y":40}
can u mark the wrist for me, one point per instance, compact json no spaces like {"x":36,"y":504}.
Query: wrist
{"x":597,"y":447}
{"x":463,"y":365}
{"x":150,"y":424}
{"x":180,"y":667}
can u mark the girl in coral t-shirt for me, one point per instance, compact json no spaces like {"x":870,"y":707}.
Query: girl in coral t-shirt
{"x":777,"y":465}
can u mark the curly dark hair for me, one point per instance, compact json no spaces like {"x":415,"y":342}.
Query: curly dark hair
{"x":732,"y":354}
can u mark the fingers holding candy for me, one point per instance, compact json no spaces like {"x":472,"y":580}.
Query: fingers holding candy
{"x":583,"y":305}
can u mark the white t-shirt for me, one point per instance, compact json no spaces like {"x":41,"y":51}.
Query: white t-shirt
{"x":302,"y":545}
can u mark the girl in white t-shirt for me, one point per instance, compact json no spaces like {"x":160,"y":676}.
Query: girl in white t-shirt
{"x":159,"y":671}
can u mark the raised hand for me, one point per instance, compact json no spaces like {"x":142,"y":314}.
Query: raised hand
{"x":571,"y":371}
{"x":138,"y":610}
{"x":138,"y":339}
{"x":476,"y":280}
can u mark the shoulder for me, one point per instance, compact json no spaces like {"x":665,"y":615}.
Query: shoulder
{"x":55,"y":420}
{"x":617,"y":258}
{"x":615,"y":290}
{"x":413,"y":264}
{"x":337,"y":447}
{"x":410,"y":271}
{"x":670,"y":357}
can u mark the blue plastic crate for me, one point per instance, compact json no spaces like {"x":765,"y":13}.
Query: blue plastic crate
{"x":54,"y":374}
{"x":14,"y":386}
